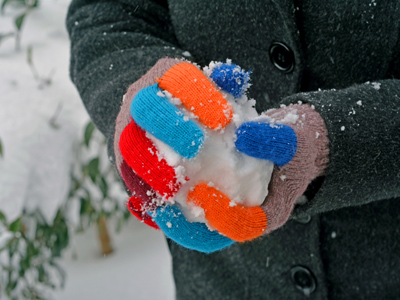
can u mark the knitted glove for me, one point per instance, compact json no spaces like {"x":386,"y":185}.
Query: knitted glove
{"x":272,"y":141}
{"x":151,"y":180}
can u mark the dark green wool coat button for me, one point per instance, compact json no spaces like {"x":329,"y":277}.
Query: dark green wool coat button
{"x":303,"y":279}
{"x":282,"y":57}
{"x":303,"y":219}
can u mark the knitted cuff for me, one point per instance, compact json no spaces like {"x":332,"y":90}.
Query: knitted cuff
{"x":312,"y":136}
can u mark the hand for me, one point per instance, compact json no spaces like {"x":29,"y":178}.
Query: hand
{"x":258,"y":139}
{"x":272,"y":141}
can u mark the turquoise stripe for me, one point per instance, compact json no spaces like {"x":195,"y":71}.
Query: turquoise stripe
{"x":195,"y":236}
{"x":161,"y":118}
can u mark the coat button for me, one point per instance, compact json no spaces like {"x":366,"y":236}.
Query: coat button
{"x":303,"y":279}
{"x":282,"y":57}
{"x":303,"y":219}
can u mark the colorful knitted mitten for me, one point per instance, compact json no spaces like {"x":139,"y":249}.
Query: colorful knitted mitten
{"x":197,"y":158}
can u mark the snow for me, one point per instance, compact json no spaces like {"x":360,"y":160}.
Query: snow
{"x":37,"y":152}
{"x":140,"y":267}
{"x":40,"y":127}
{"x":376,"y":85}
{"x":242,"y":178}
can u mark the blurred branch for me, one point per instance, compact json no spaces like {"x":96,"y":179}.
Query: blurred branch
{"x":43,"y":81}
{"x":53,"y":119}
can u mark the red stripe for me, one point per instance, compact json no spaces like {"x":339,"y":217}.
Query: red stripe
{"x":141,"y":155}
{"x":135,"y":205}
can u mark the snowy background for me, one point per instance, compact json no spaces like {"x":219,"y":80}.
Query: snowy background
{"x":39,"y":125}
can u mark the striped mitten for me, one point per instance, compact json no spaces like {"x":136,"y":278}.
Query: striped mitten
{"x":197,"y":159}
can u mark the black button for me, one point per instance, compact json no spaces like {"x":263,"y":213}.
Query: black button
{"x":303,"y":219}
{"x":282,"y":57}
{"x":303,"y":279}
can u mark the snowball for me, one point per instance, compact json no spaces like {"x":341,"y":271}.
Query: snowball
{"x":243,"y":179}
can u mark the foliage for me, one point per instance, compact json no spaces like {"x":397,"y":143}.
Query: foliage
{"x":95,"y":183}
{"x":24,"y":7}
{"x":30,"y":248}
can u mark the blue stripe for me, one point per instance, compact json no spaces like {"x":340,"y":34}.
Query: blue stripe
{"x":161,"y":118}
{"x":277,"y":143}
{"x":195,"y":236}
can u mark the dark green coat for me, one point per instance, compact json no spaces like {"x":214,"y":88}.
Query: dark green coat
{"x":346,"y":58}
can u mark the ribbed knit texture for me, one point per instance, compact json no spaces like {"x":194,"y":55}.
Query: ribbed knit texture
{"x":235,"y":221}
{"x":290,"y":181}
{"x":231,"y":79}
{"x":277,"y":143}
{"x":136,"y":207}
{"x":158,"y":116}
{"x":198,"y":95}
{"x":138,"y":187}
{"x":141,"y":155}
{"x":194,"y":236}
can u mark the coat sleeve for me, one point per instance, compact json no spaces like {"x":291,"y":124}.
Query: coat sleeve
{"x":363,"y":123}
{"x":112,"y":45}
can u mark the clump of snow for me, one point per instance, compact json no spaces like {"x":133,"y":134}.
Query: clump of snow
{"x":376,"y":85}
{"x":242,"y":178}
{"x":359,"y":102}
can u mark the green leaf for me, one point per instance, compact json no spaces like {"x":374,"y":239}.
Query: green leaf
{"x":93,"y":169}
{"x":88,"y":133}
{"x":4,"y":3}
{"x":3,"y":218}
{"x":11,"y":285}
{"x":16,"y":225}
{"x":42,"y":276}
{"x":103,"y":186}
{"x":20,"y":20}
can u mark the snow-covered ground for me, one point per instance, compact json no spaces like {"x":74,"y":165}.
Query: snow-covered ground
{"x":39,"y":125}
{"x":140,"y":268}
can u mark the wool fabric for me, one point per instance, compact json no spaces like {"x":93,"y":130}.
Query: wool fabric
{"x":232,"y":220}
{"x":274,"y":142}
{"x":198,"y":95}
{"x":138,"y":187}
{"x":153,"y":112}
{"x":136,"y":207}
{"x":194,"y":236}
{"x":231,"y":79}
{"x":141,"y":155}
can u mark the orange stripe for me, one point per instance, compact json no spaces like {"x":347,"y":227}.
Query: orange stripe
{"x":238,"y":222}
{"x":198,"y":95}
